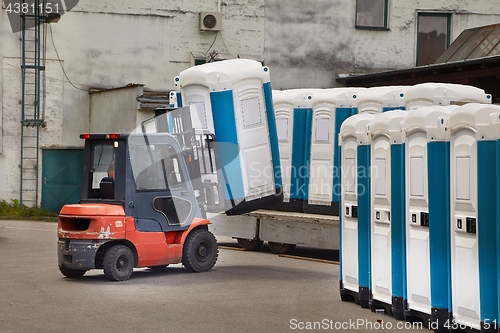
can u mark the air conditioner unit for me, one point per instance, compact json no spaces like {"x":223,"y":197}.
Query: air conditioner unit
{"x":210,"y":21}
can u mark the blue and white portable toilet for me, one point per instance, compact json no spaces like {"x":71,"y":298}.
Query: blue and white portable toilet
{"x":387,"y":229}
{"x":324,"y":146}
{"x":473,"y":173}
{"x":427,"y":149}
{"x":345,"y":106}
{"x":234,"y":99}
{"x":381,"y":99}
{"x":293,"y":121}
{"x":434,"y":93}
{"x":355,"y":213}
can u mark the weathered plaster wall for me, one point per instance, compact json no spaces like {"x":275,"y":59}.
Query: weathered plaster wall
{"x":310,"y":44}
{"x":50,"y":133}
{"x":108,"y":44}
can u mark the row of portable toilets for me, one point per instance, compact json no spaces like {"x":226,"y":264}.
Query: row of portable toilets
{"x":419,"y":236}
{"x":294,"y":133}
{"x":308,"y":123}
{"x":412,"y":172}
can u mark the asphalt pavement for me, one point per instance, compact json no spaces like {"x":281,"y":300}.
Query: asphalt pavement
{"x":245,"y":292}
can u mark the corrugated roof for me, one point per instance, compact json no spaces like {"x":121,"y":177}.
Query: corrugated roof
{"x":473,"y":43}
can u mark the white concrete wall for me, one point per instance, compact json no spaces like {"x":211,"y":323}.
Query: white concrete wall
{"x":108,"y":44}
{"x":310,"y":44}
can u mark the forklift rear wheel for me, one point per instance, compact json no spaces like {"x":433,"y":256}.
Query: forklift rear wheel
{"x":200,"y":251}
{"x":72,"y":273}
{"x":281,"y":248}
{"x":250,"y":244}
{"x":118,"y":263}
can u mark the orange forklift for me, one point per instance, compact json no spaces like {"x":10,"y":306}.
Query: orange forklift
{"x":140,"y":206}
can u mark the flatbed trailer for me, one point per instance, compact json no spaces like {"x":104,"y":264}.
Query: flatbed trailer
{"x":282,"y":230}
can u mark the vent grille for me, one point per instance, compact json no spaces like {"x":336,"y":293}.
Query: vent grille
{"x":210,"y":21}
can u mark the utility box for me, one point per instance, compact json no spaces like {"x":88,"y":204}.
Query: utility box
{"x":473,"y":223}
{"x":387,"y":229}
{"x":427,"y":158}
{"x":354,"y":214}
{"x":233,"y":100}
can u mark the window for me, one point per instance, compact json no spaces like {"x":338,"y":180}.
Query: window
{"x":157,"y":167}
{"x":102,"y":155}
{"x":433,"y":37}
{"x":251,"y":111}
{"x":371,"y":14}
{"x":322,"y":129}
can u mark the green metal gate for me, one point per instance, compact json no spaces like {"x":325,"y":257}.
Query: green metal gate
{"x":61,"y":173}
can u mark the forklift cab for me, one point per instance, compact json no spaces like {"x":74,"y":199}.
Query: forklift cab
{"x":150,"y":179}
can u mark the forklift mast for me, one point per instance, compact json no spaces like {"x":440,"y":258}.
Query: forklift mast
{"x":200,"y":153}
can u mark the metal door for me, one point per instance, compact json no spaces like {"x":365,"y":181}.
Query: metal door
{"x":61,"y":174}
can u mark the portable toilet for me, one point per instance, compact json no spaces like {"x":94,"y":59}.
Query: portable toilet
{"x":323,"y":143}
{"x":381,"y":99}
{"x":473,"y":173}
{"x":293,"y":121}
{"x":427,"y":150}
{"x":433,"y":93}
{"x":354,"y":216}
{"x":345,"y":106}
{"x":387,"y":227}
{"x":233,"y":98}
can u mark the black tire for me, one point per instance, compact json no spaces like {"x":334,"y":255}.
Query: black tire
{"x":250,"y":244}
{"x":281,"y":248}
{"x":72,"y":273}
{"x":118,"y":263}
{"x":200,"y":251}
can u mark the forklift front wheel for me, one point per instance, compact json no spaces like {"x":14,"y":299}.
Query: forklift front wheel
{"x":118,"y":263}
{"x":72,"y":273}
{"x":200,"y":251}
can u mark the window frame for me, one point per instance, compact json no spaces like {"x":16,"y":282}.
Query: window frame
{"x":370,"y":27}
{"x":446,"y":15}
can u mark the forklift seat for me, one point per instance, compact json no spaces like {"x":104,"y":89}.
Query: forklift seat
{"x":107,"y":187}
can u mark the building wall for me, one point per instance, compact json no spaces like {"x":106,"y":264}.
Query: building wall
{"x":310,"y":45}
{"x":109,"y":44}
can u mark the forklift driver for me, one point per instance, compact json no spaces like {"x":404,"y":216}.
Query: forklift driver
{"x":111,"y":169}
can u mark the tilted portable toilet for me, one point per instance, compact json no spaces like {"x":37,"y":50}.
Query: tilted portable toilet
{"x":473,"y":173}
{"x":323,"y":148}
{"x":293,"y":121}
{"x":435,"y":93}
{"x":427,"y":150}
{"x":387,"y":227}
{"x":233,"y":99}
{"x":355,"y":210}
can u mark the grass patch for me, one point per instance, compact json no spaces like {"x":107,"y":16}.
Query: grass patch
{"x":15,"y":211}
